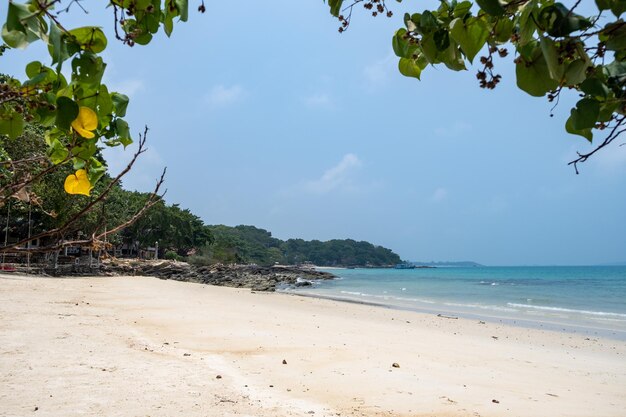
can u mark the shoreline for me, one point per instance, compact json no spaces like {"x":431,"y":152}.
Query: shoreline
{"x":132,"y":346}
{"x":522,"y":322}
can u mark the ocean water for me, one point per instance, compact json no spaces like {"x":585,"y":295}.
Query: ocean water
{"x":584,"y":299}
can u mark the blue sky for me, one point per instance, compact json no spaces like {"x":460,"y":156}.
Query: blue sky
{"x":265,"y":115}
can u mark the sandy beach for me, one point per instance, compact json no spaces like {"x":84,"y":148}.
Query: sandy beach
{"x":139,"y":346}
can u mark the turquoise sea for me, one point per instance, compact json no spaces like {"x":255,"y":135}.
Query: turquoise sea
{"x":584,"y":299}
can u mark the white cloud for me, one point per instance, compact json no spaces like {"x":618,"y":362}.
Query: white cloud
{"x":320,"y":100}
{"x":221,"y":95}
{"x":335,"y":177}
{"x":377,"y":74}
{"x":440,"y":194}
{"x":456,"y":129}
{"x":129,"y":87}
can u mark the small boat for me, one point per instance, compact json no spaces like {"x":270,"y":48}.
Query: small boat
{"x":405,"y":265}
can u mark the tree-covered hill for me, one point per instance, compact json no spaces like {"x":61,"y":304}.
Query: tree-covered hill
{"x":249,"y":244}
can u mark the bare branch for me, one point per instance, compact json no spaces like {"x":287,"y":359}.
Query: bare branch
{"x":10,"y":189}
{"x":152,"y":200}
{"x":615,"y":132}
{"x":88,"y":207}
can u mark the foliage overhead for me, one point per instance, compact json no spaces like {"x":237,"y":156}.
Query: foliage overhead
{"x":79,"y":114}
{"x":556,"y":49}
{"x":61,"y":218}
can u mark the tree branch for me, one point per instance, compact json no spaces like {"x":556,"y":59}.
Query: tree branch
{"x":88,"y":207}
{"x":610,"y":138}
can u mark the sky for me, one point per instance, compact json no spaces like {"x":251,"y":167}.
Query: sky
{"x":265,"y":115}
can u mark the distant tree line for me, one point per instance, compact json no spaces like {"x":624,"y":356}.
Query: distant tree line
{"x":249,"y":244}
{"x":43,"y":205}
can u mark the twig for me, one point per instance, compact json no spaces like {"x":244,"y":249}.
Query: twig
{"x":152,"y":200}
{"x":88,"y":207}
{"x":612,"y":136}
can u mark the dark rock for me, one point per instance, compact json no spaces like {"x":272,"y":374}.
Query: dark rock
{"x":258,"y":278}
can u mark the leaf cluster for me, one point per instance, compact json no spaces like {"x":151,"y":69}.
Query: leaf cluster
{"x":48,"y":99}
{"x":555,"y":48}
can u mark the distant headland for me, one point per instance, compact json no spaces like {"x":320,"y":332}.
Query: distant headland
{"x":458,"y":264}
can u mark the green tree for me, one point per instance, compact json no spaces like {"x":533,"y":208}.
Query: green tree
{"x":556,"y":50}
{"x":79,"y":114}
{"x":174,"y":228}
{"x":44,"y":201}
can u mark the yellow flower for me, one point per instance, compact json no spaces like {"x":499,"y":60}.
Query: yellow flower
{"x":78,"y":183}
{"x":86,"y":121}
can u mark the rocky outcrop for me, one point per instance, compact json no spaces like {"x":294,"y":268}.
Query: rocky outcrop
{"x":258,"y":278}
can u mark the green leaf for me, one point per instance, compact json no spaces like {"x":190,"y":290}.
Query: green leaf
{"x":33,"y":69}
{"x":78,"y":164}
{"x":57,"y":48}
{"x":533,"y":75}
{"x":101,"y":102}
{"x":183,"y":9}
{"x":120,"y":103}
{"x":11,"y":124}
{"x":471,"y":35}
{"x":594,"y":87}
{"x":409,"y":68}
{"x":559,"y":21}
{"x":614,"y":36}
{"x":616,"y":6}
{"x":144,"y":38}
{"x":67,"y":111}
{"x":491,"y":7}
{"x":585,"y":114}
{"x":586,"y":133}
{"x":15,"y":38}
{"x":526,"y":22}
{"x":57,"y":152}
{"x":428,"y":22}
{"x":335,"y":7}
{"x":441,"y":39}
{"x":576,"y":72}
{"x":23,"y":26}
{"x":551,"y":55}
{"x":452,"y":58}
{"x":615,"y":69}
{"x":95,"y":170}
{"x":461,"y":9}
{"x":168,"y":25}
{"x":503,"y":30}
{"x":86,"y":149}
{"x":400,"y":44}
{"x":88,"y":69}
{"x":123,"y":132}
{"x":90,"y":38}
{"x":607,"y":109}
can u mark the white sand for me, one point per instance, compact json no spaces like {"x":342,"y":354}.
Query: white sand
{"x":134,"y":346}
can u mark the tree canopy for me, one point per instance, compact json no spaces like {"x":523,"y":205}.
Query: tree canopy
{"x":79,"y":114}
{"x":250,"y":244}
{"x":556,"y":49}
